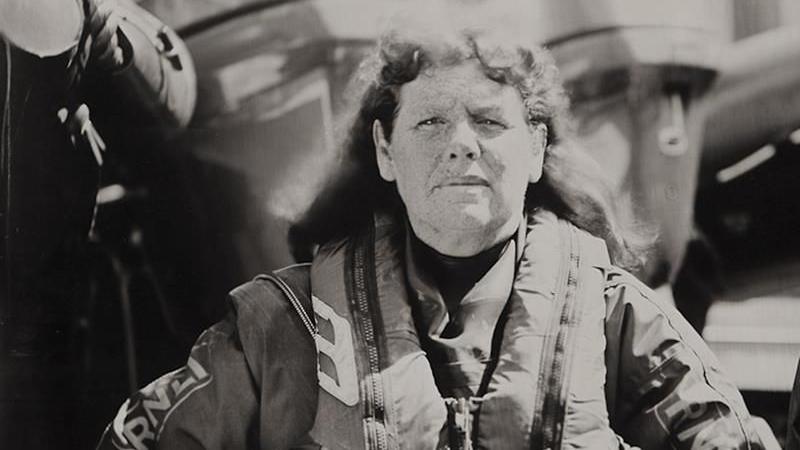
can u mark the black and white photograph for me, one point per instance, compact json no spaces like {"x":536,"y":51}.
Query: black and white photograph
{"x":400,"y":224}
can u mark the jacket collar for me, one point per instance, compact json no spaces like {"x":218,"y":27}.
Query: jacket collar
{"x":494,"y":286}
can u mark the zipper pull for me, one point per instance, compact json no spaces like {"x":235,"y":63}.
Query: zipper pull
{"x":459,"y":421}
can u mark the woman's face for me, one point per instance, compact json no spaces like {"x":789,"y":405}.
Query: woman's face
{"x":462,"y":154}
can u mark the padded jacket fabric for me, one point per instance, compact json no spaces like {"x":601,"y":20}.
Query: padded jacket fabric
{"x":630,"y":372}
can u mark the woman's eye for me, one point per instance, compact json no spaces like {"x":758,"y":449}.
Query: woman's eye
{"x":430,"y":122}
{"x":492,"y":123}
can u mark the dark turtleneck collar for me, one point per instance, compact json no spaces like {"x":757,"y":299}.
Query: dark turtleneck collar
{"x":454,"y":276}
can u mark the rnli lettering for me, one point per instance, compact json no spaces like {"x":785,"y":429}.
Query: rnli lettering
{"x":139,"y":423}
{"x":706,"y":431}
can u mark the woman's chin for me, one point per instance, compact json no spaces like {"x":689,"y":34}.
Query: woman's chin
{"x":466,"y":217}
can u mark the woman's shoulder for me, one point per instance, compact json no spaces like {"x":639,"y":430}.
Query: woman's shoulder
{"x":261,"y":303}
{"x":623,"y":290}
{"x":619,"y":278}
{"x":271,"y":312}
{"x":648,"y":314}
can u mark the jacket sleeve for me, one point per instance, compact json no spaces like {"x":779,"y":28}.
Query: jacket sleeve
{"x":664,"y":387}
{"x":208,"y":403}
{"x":250,"y":382}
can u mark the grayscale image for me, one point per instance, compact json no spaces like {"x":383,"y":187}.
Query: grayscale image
{"x":400,"y":224}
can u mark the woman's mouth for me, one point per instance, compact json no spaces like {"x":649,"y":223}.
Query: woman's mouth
{"x":468,"y":180}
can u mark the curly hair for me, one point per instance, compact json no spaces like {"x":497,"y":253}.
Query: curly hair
{"x":572,"y":184}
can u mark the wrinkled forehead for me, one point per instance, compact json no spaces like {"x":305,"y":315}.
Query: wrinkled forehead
{"x":465,"y":84}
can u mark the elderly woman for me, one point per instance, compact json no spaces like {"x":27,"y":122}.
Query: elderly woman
{"x":465,"y":291}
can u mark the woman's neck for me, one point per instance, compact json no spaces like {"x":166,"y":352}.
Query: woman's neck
{"x":454,"y":276}
{"x":464,"y":242}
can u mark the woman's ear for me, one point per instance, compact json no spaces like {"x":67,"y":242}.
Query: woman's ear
{"x":382,"y":154}
{"x":543,"y":133}
{"x":539,"y":148}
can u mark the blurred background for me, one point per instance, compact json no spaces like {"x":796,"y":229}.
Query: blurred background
{"x":692,"y":108}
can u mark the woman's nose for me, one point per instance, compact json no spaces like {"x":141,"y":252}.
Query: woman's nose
{"x":464,"y":143}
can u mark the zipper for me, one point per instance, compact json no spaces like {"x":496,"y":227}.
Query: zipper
{"x":376,"y":407}
{"x":308,"y":323}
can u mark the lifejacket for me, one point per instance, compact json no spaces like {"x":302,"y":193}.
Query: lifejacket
{"x":324,"y":355}
{"x":546,"y":373}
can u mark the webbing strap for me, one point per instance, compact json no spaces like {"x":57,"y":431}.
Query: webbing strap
{"x":550,"y":408}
